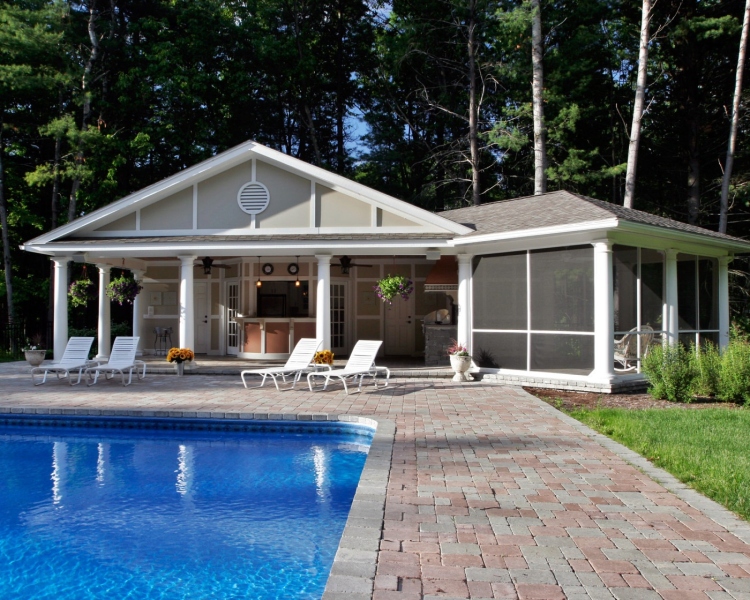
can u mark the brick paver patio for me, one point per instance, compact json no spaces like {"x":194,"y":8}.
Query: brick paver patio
{"x":492,"y":493}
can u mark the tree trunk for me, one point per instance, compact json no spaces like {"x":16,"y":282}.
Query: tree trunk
{"x":55,"y":211}
{"x":640,"y":97}
{"x":473,"y":109}
{"x":93,"y":55}
{"x":537,"y":87}
{"x":724,"y":209}
{"x":7,"y":266}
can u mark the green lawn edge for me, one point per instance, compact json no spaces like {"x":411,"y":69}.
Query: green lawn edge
{"x":708,"y":449}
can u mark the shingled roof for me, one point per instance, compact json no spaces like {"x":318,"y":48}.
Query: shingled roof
{"x":558,"y":209}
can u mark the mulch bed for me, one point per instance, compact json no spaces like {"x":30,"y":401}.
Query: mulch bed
{"x":568,"y":400}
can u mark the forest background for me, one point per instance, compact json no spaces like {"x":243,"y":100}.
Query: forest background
{"x":103,"y":97}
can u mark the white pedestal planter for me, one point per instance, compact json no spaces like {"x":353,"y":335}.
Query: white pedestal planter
{"x":461,"y":365}
{"x":34,"y":357}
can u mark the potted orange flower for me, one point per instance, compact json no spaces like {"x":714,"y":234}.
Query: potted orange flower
{"x":179,"y":356}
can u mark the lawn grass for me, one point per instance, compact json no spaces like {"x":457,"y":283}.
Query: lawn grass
{"x":707,"y":449}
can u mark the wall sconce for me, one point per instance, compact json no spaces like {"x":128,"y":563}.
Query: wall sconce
{"x":258,"y":283}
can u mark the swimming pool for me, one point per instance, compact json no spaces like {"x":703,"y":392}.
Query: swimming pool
{"x":173,"y":509}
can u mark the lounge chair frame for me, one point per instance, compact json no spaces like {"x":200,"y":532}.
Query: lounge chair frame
{"x":361,"y":364}
{"x":121,"y":360}
{"x":299,"y":361}
{"x":75,"y":358}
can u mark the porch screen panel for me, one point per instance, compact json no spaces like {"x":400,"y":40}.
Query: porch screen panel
{"x":500,"y":350}
{"x":573,"y":354}
{"x":562,"y":289}
{"x":708,"y":305}
{"x":652,"y":288}
{"x":686,"y":296}
{"x":625,"y":279}
{"x":499,"y":288}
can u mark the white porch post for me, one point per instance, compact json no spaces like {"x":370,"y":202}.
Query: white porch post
{"x":137,"y":276}
{"x":323,"y":301}
{"x":104,"y":322}
{"x":463,"y":325}
{"x":604,"y":318}
{"x":186,"y":308}
{"x":723,"y":297}
{"x":671,"y":322}
{"x":60,"y":315}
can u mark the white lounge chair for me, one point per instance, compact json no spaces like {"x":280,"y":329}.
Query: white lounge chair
{"x":299,"y":361}
{"x":361,"y":363}
{"x":121,"y":359}
{"x":75,"y":357}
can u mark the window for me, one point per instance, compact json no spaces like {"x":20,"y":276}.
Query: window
{"x":697,"y":299}
{"x":638,"y":278}
{"x":534,"y":311}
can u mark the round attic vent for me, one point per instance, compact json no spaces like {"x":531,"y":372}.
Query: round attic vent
{"x":253,"y":198}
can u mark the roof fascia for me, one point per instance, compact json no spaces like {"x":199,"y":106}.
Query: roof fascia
{"x":230,"y":247}
{"x":362,"y":192}
{"x":225,"y":160}
{"x":229,"y":158}
{"x":600,"y":225}
{"x":737,"y":246}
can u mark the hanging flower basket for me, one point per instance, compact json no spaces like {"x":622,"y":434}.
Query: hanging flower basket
{"x":80,"y":292}
{"x":394,"y":285}
{"x":123,"y":290}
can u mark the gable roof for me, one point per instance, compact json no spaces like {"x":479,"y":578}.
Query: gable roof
{"x":560,"y":209}
{"x":231,"y":158}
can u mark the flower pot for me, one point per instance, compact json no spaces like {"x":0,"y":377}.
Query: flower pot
{"x":460,"y":365}
{"x":34,"y":357}
{"x":179,"y":368}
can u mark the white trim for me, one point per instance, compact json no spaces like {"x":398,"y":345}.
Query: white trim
{"x":195,"y":207}
{"x":233,"y":157}
{"x":604,"y":224}
{"x":313,"y":204}
{"x":535,"y":331}
{"x":138,"y":220}
{"x":264,"y":232}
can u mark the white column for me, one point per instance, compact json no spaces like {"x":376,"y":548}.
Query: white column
{"x":604,"y":317}
{"x":463,"y":326}
{"x":186,"y":308}
{"x":723,"y":297}
{"x":104,"y":320}
{"x":323,"y":301}
{"x":60,"y":323}
{"x":137,"y":316}
{"x":671,"y":322}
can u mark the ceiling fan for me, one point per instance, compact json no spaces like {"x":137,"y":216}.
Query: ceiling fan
{"x":208,"y":262}
{"x":346,"y":263}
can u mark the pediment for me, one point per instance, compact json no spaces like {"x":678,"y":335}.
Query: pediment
{"x":254,"y":190}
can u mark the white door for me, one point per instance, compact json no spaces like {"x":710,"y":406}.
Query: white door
{"x":338,"y":318}
{"x":399,"y":328}
{"x":201,"y":317}
{"x":233,"y":328}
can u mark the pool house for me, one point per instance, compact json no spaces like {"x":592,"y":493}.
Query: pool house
{"x":249,"y":251}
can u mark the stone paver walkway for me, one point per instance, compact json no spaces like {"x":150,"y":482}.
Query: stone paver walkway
{"x":492,"y":493}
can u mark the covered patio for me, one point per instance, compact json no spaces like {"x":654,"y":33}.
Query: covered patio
{"x":247,"y":252}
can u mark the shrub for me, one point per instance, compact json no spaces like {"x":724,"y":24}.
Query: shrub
{"x":671,"y":372}
{"x":707,"y":363}
{"x":733,"y":383}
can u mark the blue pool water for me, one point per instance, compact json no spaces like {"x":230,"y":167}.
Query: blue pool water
{"x":151,"y":510}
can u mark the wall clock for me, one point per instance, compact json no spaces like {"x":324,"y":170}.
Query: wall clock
{"x":293,"y":268}
{"x":267,"y":269}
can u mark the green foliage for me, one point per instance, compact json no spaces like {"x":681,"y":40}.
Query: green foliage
{"x":706,"y":449}
{"x":733,"y":381}
{"x":708,"y":361}
{"x":671,"y":372}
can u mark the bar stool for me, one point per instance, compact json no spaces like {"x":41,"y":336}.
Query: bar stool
{"x":161,"y":335}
